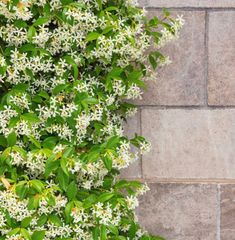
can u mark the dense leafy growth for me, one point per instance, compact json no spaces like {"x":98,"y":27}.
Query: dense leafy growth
{"x":66,"y":69}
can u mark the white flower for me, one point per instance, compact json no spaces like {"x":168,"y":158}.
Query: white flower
{"x":145,"y":147}
{"x":132,"y":202}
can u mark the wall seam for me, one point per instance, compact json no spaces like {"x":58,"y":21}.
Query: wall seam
{"x":201,"y":107}
{"x":218,"y":213}
{"x":209,"y":9}
{"x":206,"y":56}
{"x":141,"y":133}
{"x":185,"y":180}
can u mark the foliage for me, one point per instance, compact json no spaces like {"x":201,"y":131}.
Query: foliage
{"x":67,"y":68}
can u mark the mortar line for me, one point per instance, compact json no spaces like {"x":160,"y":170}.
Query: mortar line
{"x":210,"y":9}
{"x":184,"y":181}
{"x":218,"y":213}
{"x":199,"y":107}
{"x":141,"y":133}
{"x":206,"y":56}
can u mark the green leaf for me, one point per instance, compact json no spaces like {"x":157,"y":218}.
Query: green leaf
{"x":33,"y":203}
{"x":31,"y":117}
{"x":21,"y":189}
{"x":50,"y":142}
{"x":113,"y":229}
{"x":14,"y":2}
{"x":65,"y":2}
{"x":63,"y":179}
{"x":55,"y":220}
{"x":26,"y":222}
{"x":103,"y":233}
{"x":28,"y":48}
{"x":35,"y":142}
{"x":31,"y":33}
{"x":96,"y":233}
{"x":59,"y":88}
{"x":132,"y":230}
{"x":41,"y":21}
{"x":104,"y":197}
{"x":13,"y":232}
{"x":47,"y":9}
{"x":11,"y":139}
{"x":112,"y":8}
{"x":90,"y":100}
{"x":3,"y":141}
{"x":21,"y":87}
{"x":112,"y":142}
{"x":89,"y":201}
{"x":71,"y":61}
{"x":37,"y":185}
{"x":3,"y":70}
{"x":152,"y":61}
{"x":72,"y":190}
{"x":68,"y":152}
{"x":92,"y":36}
{"x":43,"y":94}
{"x":115,"y":73}
{"x":63,"y":164}
{"x":134,"y":75}
{"x":51,"y":165}
{"x":42,"y":220}
{"x":20,"y":24}
{"x":67,"y":211}
{"x":38,"y":235}
{"x":108,"y":162}
{"x":99,"y":4}
{"x":25,"y":233}
{"x":107,"y":29}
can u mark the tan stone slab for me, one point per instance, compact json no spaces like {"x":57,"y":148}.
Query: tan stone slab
{"x":227,"y":212}
{"x":188,"y":3}
{"x":192,"y":143}
{"x":180,"y":211}
{"x":221,"y":69}
{"x":131,"y":127}
{"x":183,"y":81}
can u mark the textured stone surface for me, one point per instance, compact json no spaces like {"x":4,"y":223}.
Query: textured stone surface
{"x":188,"y":3}
{"x":131,"y":127}
{"x":189,"y":143}
{"x":227,"y":212}
{"x":183,"y":81}
{"x":221,"y":88}
{"x":180,"y":211}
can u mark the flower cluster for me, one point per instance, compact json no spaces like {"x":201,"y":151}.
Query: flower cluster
{"x":67,"y":68}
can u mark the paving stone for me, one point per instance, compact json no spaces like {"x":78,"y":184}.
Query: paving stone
{"x":189,"y":143}
{"x":183,"y":81}
{"x":179,"y":211}
{"x":131,"y":127}
{"x":227,"y":212}
{"x":221,"y":74}
{"x":188,"y":3}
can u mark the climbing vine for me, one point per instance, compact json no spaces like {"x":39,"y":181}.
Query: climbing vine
{"x":67,"y":71}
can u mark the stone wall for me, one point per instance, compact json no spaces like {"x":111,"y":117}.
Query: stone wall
{"x":188,"y":114}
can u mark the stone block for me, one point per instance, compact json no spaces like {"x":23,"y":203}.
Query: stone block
{"x":180,"y":211}
{"x":189,"y":143}
{"x":221,"y":68}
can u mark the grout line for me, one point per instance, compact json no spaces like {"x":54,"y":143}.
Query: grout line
{"x":210,"y":9}
{"x":206,"y":56}
{"x":218,"y":212}
{"x":141,"y":133}
{"x":184,"y":180}
{"x":199,"y":107}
